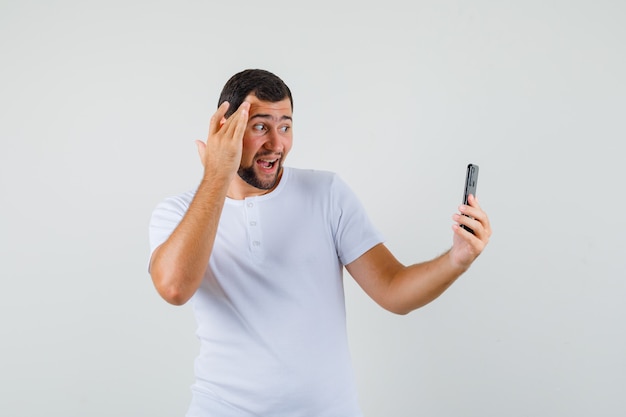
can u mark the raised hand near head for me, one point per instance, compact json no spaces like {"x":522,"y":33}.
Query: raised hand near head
{"x":221,"y":153}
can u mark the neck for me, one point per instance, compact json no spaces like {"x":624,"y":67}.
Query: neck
{"x":239,"y":189}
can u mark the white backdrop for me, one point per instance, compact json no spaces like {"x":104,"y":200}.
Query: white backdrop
{"x":100,"y":104}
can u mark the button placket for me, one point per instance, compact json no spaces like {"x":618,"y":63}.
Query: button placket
{"x":252,"y":225}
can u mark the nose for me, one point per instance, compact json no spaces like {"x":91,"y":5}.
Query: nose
{"x":273,"y":142}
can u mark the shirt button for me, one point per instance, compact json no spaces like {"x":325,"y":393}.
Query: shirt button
{"x":256,"y":243}
{"x":252,"y":223}
{"x":250,"y":204}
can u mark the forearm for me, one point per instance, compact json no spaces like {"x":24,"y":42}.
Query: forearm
{"x":402,"y":289}
{"x":178,"y":265}
{"x":414,"y":286}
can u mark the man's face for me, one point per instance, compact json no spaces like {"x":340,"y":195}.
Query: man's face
{"x":266,"y":142}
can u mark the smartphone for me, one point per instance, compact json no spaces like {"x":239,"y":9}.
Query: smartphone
{"x":471,"y":181}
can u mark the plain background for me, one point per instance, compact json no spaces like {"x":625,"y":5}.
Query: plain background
{"x":100,"y":104}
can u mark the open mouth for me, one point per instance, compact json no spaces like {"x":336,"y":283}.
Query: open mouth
{"x":267,"y":163}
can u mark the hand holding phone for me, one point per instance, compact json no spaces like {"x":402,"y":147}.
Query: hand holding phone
{"x":471,"y":182}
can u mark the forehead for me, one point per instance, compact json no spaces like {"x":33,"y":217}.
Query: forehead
{"x":274,"y":109}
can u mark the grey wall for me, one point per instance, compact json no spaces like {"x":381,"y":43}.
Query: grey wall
{"x":100,"y":105}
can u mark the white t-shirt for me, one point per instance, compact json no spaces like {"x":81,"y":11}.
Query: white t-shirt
{"x":270,"y":309}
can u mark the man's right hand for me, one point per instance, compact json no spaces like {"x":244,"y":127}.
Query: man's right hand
{"x":221,"y":154}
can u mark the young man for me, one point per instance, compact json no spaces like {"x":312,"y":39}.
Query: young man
{"x":260,"y":248}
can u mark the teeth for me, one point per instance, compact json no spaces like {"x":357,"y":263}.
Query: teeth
{"x":267,"y":163}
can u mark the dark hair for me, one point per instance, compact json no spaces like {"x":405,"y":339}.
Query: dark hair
{"x":263,"y":84}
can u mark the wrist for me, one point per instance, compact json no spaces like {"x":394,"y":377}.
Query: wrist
{"x":454,"y":263}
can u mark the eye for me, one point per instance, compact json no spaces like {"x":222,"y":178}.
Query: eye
{"x":285,"y":128}
{"x":259,"y":127}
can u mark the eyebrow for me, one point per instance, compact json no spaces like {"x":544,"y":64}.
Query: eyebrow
{"x":269,"y":116}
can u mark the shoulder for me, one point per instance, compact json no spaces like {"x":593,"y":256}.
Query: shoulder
{"x":324,"y":187}
{"x":176,"y":203}
{"x":312,"y":178}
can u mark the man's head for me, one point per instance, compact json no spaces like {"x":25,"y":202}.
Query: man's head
{"x":268,"y":136}
{"x":260,"y":83}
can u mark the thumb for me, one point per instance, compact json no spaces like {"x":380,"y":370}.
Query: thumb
{"x":201,"y":149}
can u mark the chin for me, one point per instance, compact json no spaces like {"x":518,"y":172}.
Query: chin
{"x":251,"y":177}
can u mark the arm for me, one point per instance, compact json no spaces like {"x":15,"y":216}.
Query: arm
{"x":402,"y":289}
{"x":178,"y":265}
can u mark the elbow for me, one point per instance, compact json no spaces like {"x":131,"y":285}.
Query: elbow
{"x":171,"y":282}
{"x":168,"y":290}
{"x":173,"y":296}
{"x":395,"y":307}
{"x":398,"y":310}
{"x":403,"y":308}
{"x":401,"y":312}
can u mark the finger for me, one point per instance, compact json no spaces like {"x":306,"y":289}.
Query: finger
{"x":486,"y":225}
{"x":236,"y":124}
{"x":201,"y":150}
{"x":472,"y":201}
{"x":465,"y":234}
{"x":475,"y":219}
{"x":218,"y":119}
{"x":466,"y":221}
{"x":242,"y":123}
{"x":472,"y":209}
{"x":480,"y":215}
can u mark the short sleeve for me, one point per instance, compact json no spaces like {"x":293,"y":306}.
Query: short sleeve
{"x":165,"y":217}
{"x":354,"y":232}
